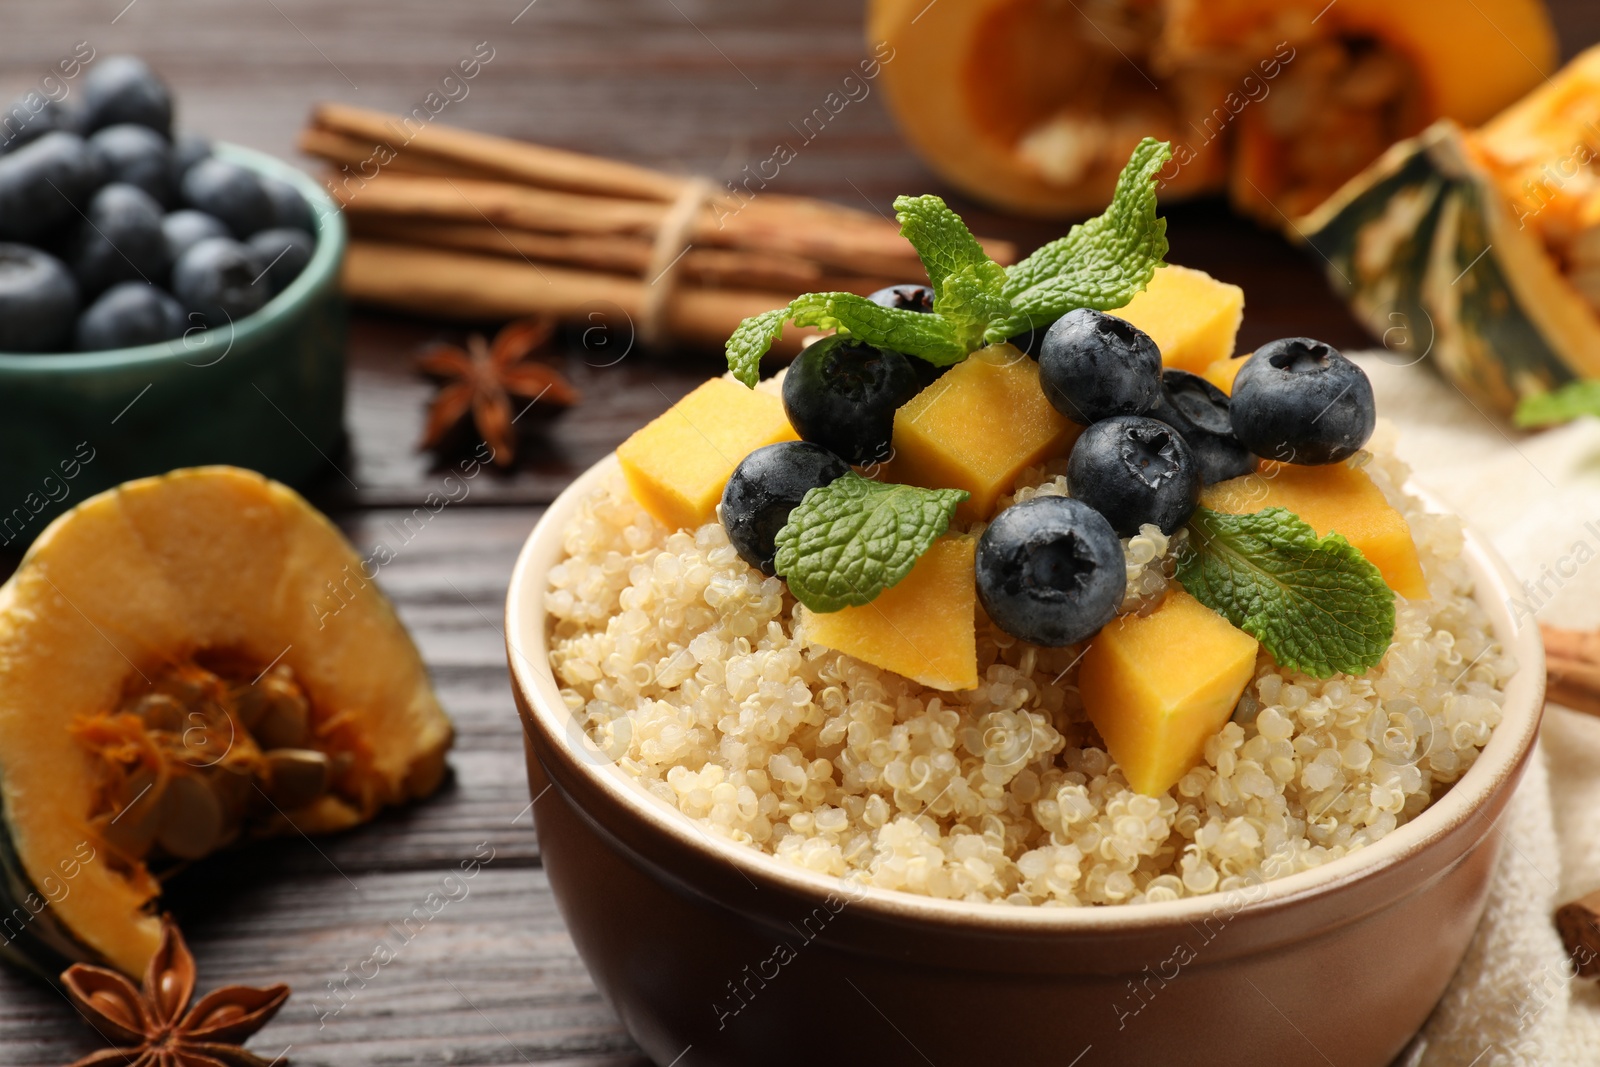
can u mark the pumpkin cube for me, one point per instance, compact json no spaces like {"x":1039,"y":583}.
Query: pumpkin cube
{"x":677,"y":465}
{"x":1157,"y":687}
{"x":1335,"y":498}
{"x":1192,"y":317}
{"x":922,"y":627}
{"x":1222,"y":373}
{"x":978,"y":427}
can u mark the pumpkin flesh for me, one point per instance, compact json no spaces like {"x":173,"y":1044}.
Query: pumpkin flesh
{"x":200,"y":594}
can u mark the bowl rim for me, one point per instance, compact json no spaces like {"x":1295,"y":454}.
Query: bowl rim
{"x":1501,"y":759}
{"x":323,"y":265}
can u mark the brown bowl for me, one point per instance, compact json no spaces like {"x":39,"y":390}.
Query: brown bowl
{"x":714,"y":953}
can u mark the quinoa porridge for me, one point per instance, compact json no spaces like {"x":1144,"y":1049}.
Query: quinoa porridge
{"x":693,"y":671}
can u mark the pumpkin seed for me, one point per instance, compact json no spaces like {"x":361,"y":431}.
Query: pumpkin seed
{"x":284,"y":720}
{"x":296,"y":776}
{"x":159,"y":712}
{"x":133,"y":828}
{"x":192,"y":819}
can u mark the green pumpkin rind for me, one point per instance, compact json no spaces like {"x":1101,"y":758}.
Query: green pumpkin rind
{"x":1429,"y":256}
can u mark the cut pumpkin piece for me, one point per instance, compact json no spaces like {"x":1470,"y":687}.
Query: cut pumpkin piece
{"x":1336,"y":498}
{"x":1192,"y":317}
{"x":1157,"y":687}
{"x":186,"y":662}
{"x":1034,"y":105}
{"x":980,"y":425}
{"x":678,"y":464}
{"x":1222,"y":373}
{"x":923,"y":626}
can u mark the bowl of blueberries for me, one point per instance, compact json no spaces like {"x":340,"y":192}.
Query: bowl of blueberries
{"x":165,"y":301}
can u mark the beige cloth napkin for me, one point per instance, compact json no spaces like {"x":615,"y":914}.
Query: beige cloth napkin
{"x":1537,"y":497}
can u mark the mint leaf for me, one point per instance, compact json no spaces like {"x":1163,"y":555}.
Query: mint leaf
{"x":969,"y":304}
{"x":911,"y":332}
{"x":1563,"y":405}
{"x":1099,"y":264}
{"x":853,"y":538}
{"x":1316,"y":604}
{"x":944,"y":244}
{"x":750,"y":341}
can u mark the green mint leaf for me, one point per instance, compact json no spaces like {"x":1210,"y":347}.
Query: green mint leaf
{"x":853,"y":538}
{"x":969,"y":304}
{"x":750,"y":341}
{"x":943,"y":242}
{"x":928,"y":337}
{"x":1562,"y":405}
{"x":1317,"y":604}
{"x":1099,"y":264}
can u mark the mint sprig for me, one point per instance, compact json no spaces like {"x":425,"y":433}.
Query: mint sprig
{"x":1100,"y":264}
{"x":1569,"y":402}
{"x":1317,"y":604}
{"x":853,"y":538}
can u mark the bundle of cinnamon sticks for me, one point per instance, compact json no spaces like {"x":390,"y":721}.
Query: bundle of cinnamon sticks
{"x":467,"y":225}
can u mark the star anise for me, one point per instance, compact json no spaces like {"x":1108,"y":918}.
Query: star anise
{"x":482,"y":378}
{"x":150,"y":1025}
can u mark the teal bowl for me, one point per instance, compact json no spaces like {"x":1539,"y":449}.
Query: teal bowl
{"x":266,"y":392}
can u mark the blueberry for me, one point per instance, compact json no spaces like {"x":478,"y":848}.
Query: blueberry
{"x":843,"y":395}
{"x":184,"y":229}
{"x":119,"y":240}
{"x":1093,"y":366}
{"x":217,"y":280}
{"x":1199,"y":411}
{"x":284,"y":254}
{"x":1135,"y":470}
{"x":137,"y":155}
{"x":768,"y":484}
{"x":1050,"y":571}
{"x":289,"y":209}
{"x":43,"y":184}
{"x":907,"y":297}
{"x":1301,"y":401}
{"x":231,"y":193}
{"x":187,"y":150}
{"x":129,"y":314}
{"x":124,"y":89}
{"x":30,"y":117}
{"x":38,"y":299}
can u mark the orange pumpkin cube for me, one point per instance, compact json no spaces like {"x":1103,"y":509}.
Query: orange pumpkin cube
{"x":1192,"y":317}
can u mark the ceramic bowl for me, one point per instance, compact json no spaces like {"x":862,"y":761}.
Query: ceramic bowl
{"x":266,"y":392}
{"x":716,"y":954}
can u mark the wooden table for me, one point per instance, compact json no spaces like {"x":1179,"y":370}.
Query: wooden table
{"x":695,"y":85}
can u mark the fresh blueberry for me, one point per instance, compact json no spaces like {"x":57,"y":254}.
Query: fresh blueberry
{"x":1050,"y":571}
{"x":1199,"y":410}
{"x":843,"y":395}
{"x":121,"y":89}
{"x":30,"y":117}
{"x":285,"y":253}
{"x":908,"y":297}
{"x":137,"y":155}
{"x":217,"y":279}
{"x":1301,"y":401}
{"x":289,"y":209}
{"x":184,"y":229}
{"x":1135,"y":470}
{"x":187,"y":150}
{"x":231,"y":193}
{"x":129,"y":314}
{"x":768,"y":484}
{"x":1094,"y":366}
{"x":38,"y":300}
{"x":119,"y":240}
{"x":43,"y":184}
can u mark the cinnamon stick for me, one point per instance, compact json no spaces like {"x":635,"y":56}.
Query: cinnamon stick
{"x":1579,"y":924}
{"x":618,"y":255}
{"x":1572,"y":668}
{"x":460,"y":285}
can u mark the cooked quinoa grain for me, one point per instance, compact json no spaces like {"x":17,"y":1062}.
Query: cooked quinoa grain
{"x":692,"y":670}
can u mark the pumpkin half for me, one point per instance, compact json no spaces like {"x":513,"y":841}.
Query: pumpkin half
{"x":1034,"y":104}
{"x":188,"y":661}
